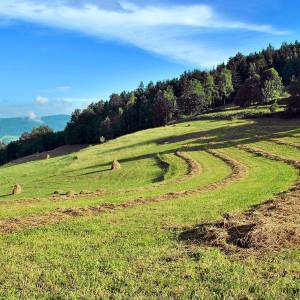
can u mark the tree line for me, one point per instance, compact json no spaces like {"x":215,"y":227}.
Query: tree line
{"x":257,"y":78}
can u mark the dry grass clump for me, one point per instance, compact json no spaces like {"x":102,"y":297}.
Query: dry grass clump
{"x":84,"y":192}
{"x":271,"y":226}
{"x":286,"y":143}
{"x":71,"y":194}
{"x":193,"y":165}
{"x":17,"y":189}
{"x":115,"y":165}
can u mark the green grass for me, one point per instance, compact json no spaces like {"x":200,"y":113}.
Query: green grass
{"x":136,"y":253}
{"x":235,"y":112}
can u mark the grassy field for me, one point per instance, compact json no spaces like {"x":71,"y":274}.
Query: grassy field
{"x":68,"y":247}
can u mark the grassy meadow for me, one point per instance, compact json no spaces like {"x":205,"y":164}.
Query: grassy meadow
{"x":136,"y":252}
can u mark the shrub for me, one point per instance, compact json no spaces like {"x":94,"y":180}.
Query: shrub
{"x":274,"y":107}
{"x":102,"y":139}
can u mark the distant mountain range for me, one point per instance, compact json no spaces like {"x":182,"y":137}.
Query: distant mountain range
{"x":12,"y":128}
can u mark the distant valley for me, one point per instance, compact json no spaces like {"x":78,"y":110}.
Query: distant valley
{"x":12,"y":128}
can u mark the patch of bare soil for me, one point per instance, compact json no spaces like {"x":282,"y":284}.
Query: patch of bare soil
{"x":17,"y":224}
{"x":60,"y":151}
{"x":271,"y":226}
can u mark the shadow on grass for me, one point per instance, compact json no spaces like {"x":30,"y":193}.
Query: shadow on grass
{"x":6,"y":195}
{"x":222,"y":137}
{"x":164,"y":167}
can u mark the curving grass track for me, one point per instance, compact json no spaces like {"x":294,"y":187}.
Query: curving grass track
{"x":123,"y":242}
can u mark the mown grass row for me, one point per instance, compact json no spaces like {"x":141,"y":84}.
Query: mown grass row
{"x":136,"y":253}
{"x":213,"y":169}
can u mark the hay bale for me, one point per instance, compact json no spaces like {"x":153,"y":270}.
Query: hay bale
{"x":71,"y":194}
{"x":17,"y":189}
{"x":116,"y":165}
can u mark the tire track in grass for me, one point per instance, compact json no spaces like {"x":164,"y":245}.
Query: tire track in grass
{"x":270,"y":226}
{"x":11,"y":225}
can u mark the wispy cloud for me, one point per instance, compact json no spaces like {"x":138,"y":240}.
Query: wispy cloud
{"x":40,"y":100}
{"x":57,"y":89}
{"x":75,"y":102}
{"x":63,"y":88}
{"x":165,"y":30}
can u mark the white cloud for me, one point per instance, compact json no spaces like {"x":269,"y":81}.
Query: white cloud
{"x":73,"y":103}
{"x":165,"y":30}
{"x":40,"y":100}
{"x":34,"y":117}
{"x":63,"y":88}
{"x":77,"y":100}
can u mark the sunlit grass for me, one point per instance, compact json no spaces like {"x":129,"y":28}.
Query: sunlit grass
{"x":136,"y":253}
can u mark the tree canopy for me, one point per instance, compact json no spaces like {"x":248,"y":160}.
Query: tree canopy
{"x":247,"y":79}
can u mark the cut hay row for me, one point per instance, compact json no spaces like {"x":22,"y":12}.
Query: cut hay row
{"x":273,"y":225}
{"x":194,"y":169}
{"x":286,"y":143}
{"x":266,"y":154}
{"x":239,"y":171}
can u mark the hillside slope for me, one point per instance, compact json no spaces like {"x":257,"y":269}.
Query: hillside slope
{"x":12,"y":128}
{"x":82,"y":230}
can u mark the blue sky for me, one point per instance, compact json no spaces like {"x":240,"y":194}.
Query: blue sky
{"x":57,"y":55}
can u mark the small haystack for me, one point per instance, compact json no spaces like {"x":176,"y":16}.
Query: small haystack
{"x":115,"y":165}
{"x":17,"y":189}
{"x":71,"y":194}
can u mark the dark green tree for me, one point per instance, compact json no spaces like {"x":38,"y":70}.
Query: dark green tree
{"x":193,"y":98}
{"x":224,"y":84}
{"x":293,"y":106}
{"x":271,"y":84}
{"x":210,"y":90}
{"x":250,"y":92}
